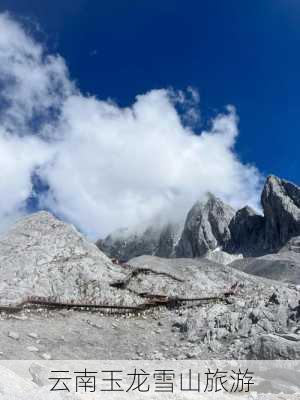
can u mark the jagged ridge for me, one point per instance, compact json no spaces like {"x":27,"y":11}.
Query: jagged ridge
{"x":212,"y":224}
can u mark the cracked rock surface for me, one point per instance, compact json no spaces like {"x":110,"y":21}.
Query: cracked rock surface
{"x":43,"y":256}
{"x":237,"y":329}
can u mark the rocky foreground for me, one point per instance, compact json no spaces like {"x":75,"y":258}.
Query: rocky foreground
{"x":250,"y":306}
{"x":254,"y":324}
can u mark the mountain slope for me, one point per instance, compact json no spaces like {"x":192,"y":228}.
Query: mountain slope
{"x":43,"y":256}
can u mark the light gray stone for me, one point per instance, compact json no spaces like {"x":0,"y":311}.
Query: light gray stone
{"x":43,"y":256}
{"x":33,"y":335}
{"x":14,"y":335}
{"x":46,"y":356}
{"x":32,"y":349}
{"x":221,"y":257}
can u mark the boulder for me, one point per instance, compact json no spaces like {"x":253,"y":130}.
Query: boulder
{"x":221,"y":257}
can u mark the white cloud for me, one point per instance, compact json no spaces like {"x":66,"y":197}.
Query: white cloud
{"x":18,"y":159}
{"x":33,"y":84}
{"x":107,"y":166}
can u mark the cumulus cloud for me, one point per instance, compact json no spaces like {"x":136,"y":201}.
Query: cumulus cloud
{"x":33,"y":84}
{"x":106,"y":166}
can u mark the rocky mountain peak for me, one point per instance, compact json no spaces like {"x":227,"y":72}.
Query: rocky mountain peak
{"x":280,"y":189}
{"x":281,"y":204}
{"x":247,"y":232}
{"x":245,"y":212}
{"x":212,"y":224}
{"x":206,"y":227}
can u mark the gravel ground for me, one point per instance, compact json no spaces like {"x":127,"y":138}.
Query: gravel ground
{"x":86,"y":335}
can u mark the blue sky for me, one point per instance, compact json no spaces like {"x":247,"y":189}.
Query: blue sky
{"x":232,"y":52}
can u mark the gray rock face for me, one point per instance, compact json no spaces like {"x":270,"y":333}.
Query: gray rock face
{"x":42,"y":256}
{"x":168,"y":240}
{"x":159,"y":240}
{"x":247,"y":232}
{"x":206,"y":228}
{"x":253,"y":234}
{"x":281,"y":204}
{"x":124,"y":245}
{"x":274,"y":347}
{"x":213,"y":224}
